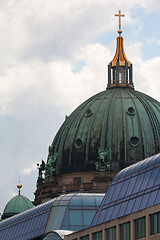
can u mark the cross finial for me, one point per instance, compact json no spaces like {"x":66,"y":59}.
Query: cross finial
{"x":119,"y":15}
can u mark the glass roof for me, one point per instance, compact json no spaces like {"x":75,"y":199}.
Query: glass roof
{"x":59,"y":213}
{"x":26,"y":225}
{"x":133,"y":189}
{"x":68,"y":207}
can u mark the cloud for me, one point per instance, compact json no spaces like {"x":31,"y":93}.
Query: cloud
{"x":28,"y":170}
{"x":41,"y":44}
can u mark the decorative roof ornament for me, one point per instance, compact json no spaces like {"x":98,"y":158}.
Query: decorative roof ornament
{"x":41,"y":169}
{"x":120,"y":68}
{"x":119,"y":15}
{"x":16,"y":205}
{"x":19,"y":186}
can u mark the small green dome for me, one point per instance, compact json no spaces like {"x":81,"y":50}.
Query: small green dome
{"x":17,"y":205}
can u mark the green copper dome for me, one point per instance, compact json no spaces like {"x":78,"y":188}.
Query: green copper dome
{"x":17,"y":205}
{"x":122,"y":122}
{"x":112,"y":129}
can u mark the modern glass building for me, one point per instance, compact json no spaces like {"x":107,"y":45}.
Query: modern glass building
{"x":131,"y":206}
{"x":67,"y":212}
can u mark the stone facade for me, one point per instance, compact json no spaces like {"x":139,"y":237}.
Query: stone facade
{"x":92,"y":181}
{"x":131,"y":218}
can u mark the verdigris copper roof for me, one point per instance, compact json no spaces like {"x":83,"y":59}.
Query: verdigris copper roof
{"x":122,"y":122}
{"x":17,"y":205}
{"x":112,"y":129}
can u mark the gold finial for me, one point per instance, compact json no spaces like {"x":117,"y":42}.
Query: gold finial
{"x":19,"y":186}
{"x":119,"y":15}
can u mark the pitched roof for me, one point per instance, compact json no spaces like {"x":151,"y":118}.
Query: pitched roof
{"x":135,"y":188}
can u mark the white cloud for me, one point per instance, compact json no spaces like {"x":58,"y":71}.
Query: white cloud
{"x":28,"y":170}
{"x":40,"y":44}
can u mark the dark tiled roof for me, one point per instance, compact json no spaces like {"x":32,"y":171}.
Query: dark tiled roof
{"x":135,"y":188}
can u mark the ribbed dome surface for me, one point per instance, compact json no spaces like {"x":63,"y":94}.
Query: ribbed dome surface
{"x":17,"y":205}
{"x":122,"y":121}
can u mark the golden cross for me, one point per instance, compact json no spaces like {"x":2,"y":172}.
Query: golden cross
{"x":119,"y":15}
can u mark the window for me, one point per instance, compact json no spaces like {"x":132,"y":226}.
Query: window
{"x":122,"y":75}
{"x":155,"y":223}
{"x":125,"y":231}
{"x":77,"y":180}
{"x":97,"y":235}
{"x":85,"y":237}
{"x":140,"y":228}
{"x":111,"y":233}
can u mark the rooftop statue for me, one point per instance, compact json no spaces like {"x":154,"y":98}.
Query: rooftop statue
{"x":51,"y":163}
{"x":41,"y":169}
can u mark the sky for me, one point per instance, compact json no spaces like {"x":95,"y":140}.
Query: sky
{"x":53,"y":56}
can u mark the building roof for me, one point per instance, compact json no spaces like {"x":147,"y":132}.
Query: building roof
{"x":122,"y":122}
{"x":17,"y":205}
{"x":58,"y":214}
{"x":133,"y":189}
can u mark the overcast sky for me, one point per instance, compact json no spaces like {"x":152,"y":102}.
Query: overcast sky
{"x":53,"y":56}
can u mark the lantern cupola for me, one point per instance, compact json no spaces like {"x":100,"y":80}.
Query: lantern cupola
{"x":120,"y":68}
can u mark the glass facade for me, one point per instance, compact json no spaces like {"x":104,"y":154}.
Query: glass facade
{"x":97,"y":235}
{"x":125,"y":231}
{"x":85,"y":237}
{"x":133,"y":189}
{"x":68,"y":212}
{"x":111,"y":233}
{"x":155,"y":223}
{"x":140,"y":228}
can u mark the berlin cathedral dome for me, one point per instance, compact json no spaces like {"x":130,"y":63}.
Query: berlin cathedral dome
{"x":108,"y":132}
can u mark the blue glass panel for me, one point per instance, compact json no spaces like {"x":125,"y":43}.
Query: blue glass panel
{"x":131,"y":169}
{"x":157,"y":200}
{"x":99,"y":200}
{"x":88,"y":216}
{"x":87,"y":207}
{"x":157,"y":180}
{"x":96,"y":218}
{"x":124,"y":172}
{"x":108,"y":214}
{"x":153,"y":177}
{"x":117,"y":191}
{"x":131,"y":186}
{"x":109,"y":194}
{"x":66,"y":218}
{"x":145,"y":180}
{"x":122,"y":209}
{"x":75,"y":228}
{"x":129,"y":206}
{"x":138,"y":183}
{"x":69,"y":196}
{"x":138,"y":166}
{"x":102,"y":216}
{"x":137,"y":204}
{"x":124,"y":188}
{"x":151,"y":161}
{"x":88,"y":200}
{"x":152,"y":198}
{"x":75,"y":201}
{"x":66,"y":227}
{"x":74,"y":220}
{"x":144,"y":201}
{"x":115,"y":211}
